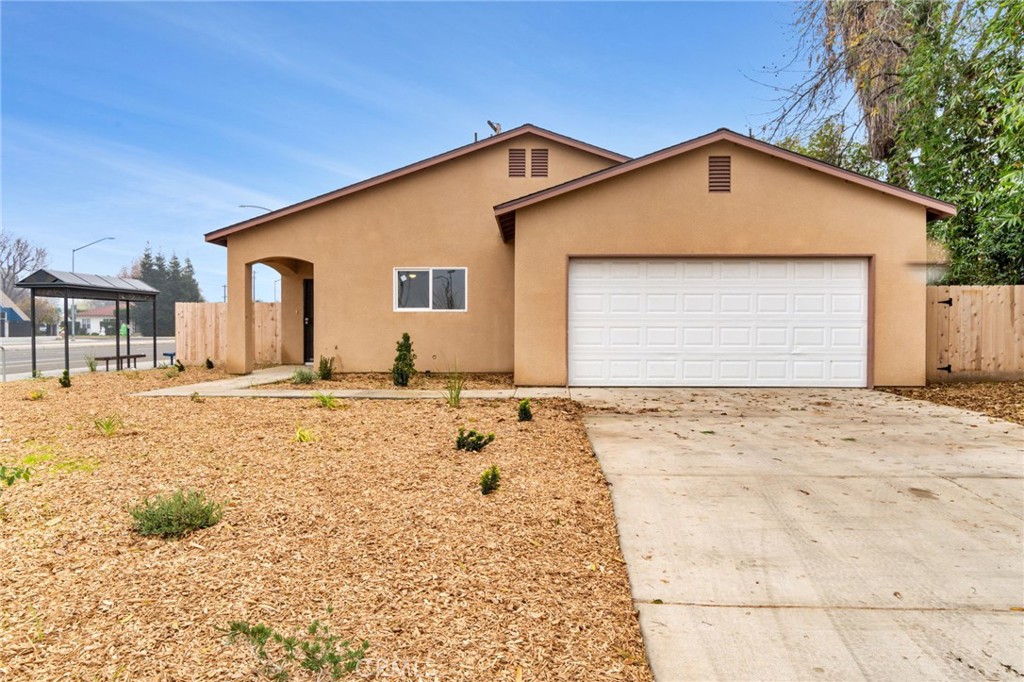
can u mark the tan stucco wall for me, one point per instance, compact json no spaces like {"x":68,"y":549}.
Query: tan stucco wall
{"x":440,"y":216}
{"x":775,"y":208}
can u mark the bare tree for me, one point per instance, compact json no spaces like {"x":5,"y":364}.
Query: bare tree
{"x":855,"y":52}
{"x":18,"y":258}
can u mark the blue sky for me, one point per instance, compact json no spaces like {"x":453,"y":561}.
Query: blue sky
{"x":151,"y":122}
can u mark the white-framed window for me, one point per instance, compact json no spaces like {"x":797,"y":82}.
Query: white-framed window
{"x":434,"y":289}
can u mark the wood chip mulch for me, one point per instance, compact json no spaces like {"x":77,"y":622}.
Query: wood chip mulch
{"x":383,"y":381}
{"x":1002,"y":399}
{"x":379,"y":518}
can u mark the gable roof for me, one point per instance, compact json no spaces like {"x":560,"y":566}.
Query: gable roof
{"x":220,"y":236}
{"x":12,"y":308}
{"x":505,"y":213}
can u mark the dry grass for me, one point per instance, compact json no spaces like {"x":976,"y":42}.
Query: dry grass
{"x":1002,"y":399}
{"x":380,"y":518}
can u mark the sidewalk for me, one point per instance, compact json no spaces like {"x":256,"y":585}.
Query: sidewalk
{"x":243,"y":387}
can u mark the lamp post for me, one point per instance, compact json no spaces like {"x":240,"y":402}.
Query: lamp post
{"x":262,"y":208}
{"x":74,"y":303}
{"x":277,"y":282}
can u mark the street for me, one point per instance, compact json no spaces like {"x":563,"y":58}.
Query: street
{"x":50,"y":353}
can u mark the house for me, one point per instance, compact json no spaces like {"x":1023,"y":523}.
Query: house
{"x":720,"y":261}
{"x":10,"y":314}
{"x":99,"y":320}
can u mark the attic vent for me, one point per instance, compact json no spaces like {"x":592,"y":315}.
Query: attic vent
{"x":517,"y":163}
{"x":719,"y":173}
{"x":538,"y":163}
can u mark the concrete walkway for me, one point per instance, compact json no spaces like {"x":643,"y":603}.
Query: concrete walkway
{"x":243,"y":387}
{"x":816,"y":534}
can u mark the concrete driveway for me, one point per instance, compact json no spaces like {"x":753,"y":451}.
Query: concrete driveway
{"x":816,"y":534}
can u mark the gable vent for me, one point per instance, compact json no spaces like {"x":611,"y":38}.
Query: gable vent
{"x":517,"y":163}
{"x":538,"y":163}
{"x":719,"y":173}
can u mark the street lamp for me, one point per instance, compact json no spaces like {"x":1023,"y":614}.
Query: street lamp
{"x":262,"y":208}
{"x":74,"y":304}
{"x":277,"y":282}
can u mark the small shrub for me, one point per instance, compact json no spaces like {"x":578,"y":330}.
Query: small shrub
{"x":405,"y":362}
{"x":171,"y":372}
{"x":176,"y":515}
{"x":303,"y":376}
{"x":472,"y":441}
{"x":90,"y":362}
{"x":316,"y":650}
{"x":454,"y":382}
{"x":108,"y":426}
{"x":209,"y":363}
{"x":37,"y":394}
{"x":65,"y":380}
{"x":490,"y":480}
{"x":304,"y":435}
{"x":37,"y":374}
{"x":196,"y":398}
{"x":326,"y":369}
{"x":525,"y":413}
{"x":326,"y":400}
{"x":179,"y":366}
{"x":9,"y":475}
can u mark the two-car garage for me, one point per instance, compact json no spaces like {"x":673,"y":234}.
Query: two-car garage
{"x":718,"y":322}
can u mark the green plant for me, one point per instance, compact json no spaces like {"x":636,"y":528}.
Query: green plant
{"x":37,"y":374}
{"x":325,"y":400}
{"x":179,"y":366}
{"x":303,"y":376}
{"x":326,"y":369}
{"x":209,"y":363}
{"x":472,"y":441}
{"x":65,"y":380}
{"x":90,"y":362}
{"x":316,"y":650}
{"x":304,"y":435}
{"x":176,"y":515}
{"x":405,"y":362}
{"x":490,"y":480}
{"x":196,"y":398}
{"x":37,"y":394}
{"x":171,"y":372}
{"x":108,"y":426}
{"x":9,"y":475}
{"x":454,"y":382}
{"x":525,"y":413}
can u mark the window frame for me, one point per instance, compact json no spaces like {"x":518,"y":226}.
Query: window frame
{"x":430,"y":291}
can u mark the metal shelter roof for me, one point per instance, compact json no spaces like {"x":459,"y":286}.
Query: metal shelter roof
{"x":57,"y":283}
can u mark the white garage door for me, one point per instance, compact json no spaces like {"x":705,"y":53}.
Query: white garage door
{"x":718,"y":322}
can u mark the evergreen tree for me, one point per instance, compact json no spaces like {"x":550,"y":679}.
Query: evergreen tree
{"x":176,"y":283}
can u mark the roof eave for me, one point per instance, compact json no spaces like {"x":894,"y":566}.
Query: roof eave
{"x":220,"y":236}
{"x":935,"y":208}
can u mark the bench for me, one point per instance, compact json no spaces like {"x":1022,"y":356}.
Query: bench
{"x":132,"y":359}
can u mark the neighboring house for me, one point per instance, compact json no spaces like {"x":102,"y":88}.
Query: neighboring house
{"x":10,"y":314}
{"x":721,"y":261}
{"x":100,"y":320}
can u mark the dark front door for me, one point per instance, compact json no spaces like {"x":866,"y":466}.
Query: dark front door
{"x":307,"y":320}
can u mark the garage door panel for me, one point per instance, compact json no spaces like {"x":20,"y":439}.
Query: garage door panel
{"x":706,"y":322}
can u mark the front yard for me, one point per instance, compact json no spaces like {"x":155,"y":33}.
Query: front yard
{"x":379,"y":517}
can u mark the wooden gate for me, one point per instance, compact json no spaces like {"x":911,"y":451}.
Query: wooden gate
{"x":975,"y":333}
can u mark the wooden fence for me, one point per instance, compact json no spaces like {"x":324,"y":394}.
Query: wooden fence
{"x":975,"y":333}
{"x":201,"y":332}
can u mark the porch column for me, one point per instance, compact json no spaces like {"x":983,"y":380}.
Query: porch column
{"x":241,"y":340}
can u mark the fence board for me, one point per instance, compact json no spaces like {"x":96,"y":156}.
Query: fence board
{"x":980,"y":337}
{"x":201,"y":332}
